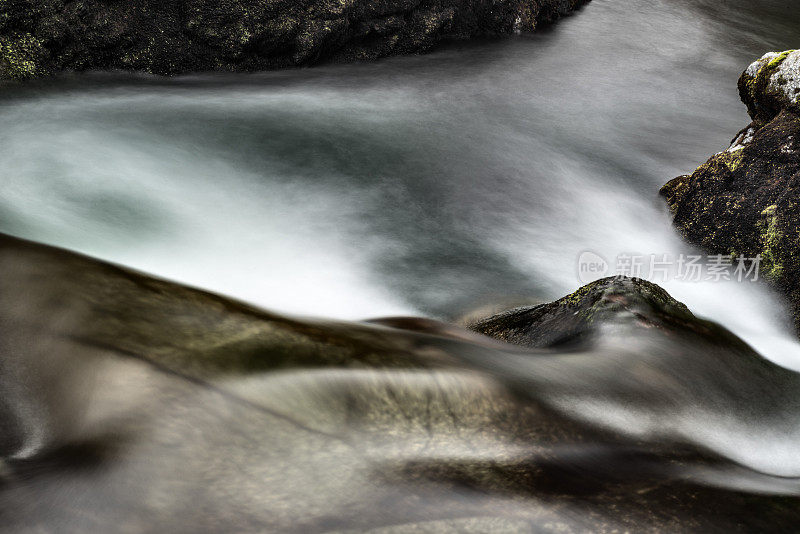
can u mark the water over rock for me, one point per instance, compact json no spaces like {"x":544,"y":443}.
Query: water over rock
{"x":613,"y":308}
{"x":578,"y":317}
{"x":132,"y":402}
{"x":38,"y":37}
{"x":744,"y":200}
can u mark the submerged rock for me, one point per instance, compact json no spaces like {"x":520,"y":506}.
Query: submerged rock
{"x":39,"y":37}
{"x":744,"y":200}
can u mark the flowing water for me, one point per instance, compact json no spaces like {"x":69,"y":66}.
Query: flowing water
{"x":420,"y":185}
{"x":423,"y":185}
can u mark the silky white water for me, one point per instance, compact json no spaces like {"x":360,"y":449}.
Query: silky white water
{"x":417,"y":185}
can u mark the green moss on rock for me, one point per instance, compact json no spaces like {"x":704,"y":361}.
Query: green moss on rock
{"x":772,"y":266}
{"x":244,"y":35}
{"x":577,"y":317}
{"x":747,"y":199}
{"x":768,"y":84}
{"x":20,"y":56}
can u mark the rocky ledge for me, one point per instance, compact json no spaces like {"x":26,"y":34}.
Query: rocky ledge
{"x":41,"y":37}
{"x":744,"y":200}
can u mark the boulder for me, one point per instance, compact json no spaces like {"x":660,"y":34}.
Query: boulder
{"x":743,"y":201}
{"x":771,"y":84}
{"x":578,"y":319}
{"x":40,"y":37}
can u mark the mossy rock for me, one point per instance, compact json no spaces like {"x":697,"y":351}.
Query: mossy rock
{"x":744,"y":200}
{"x":39,"y":37}
{"x":21,"y":56}
{"x":771,"y":84}
{"x":578,"y":318}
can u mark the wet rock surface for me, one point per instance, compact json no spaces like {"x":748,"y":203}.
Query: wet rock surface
{"x":744,"y":201}
{"x":577,"y":319}
{"x":136,"y":402}
{"x":41,"y":37}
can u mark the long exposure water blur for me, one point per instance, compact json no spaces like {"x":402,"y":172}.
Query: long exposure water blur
{"x":415,"y":185}
{"x":428,"y":186}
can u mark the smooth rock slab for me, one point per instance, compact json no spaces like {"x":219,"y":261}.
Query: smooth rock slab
{"x":134,"y":404}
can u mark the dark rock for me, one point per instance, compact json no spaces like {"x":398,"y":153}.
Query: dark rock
{"x":577,"y":318}
{"x":743,"y":201}
{"x":39,"y":37}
